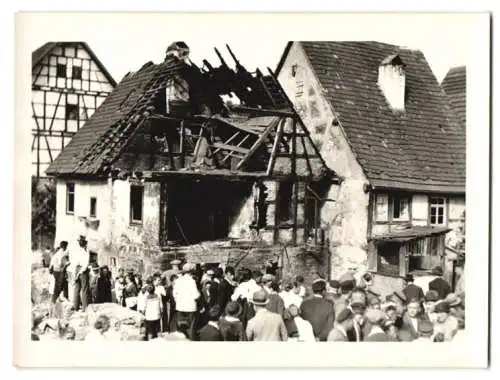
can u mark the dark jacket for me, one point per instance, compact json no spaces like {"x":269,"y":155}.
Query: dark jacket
{"x":441,"y":287}
{"x":408,"y":326}
{"x":276,"y":304}
{"x":321,"y":315}
{"x":103,"y":289}
{"x":413,"y":291}
{"x":224,"y":292}
{"x":209,"y":334}
{"x":232,"y":331}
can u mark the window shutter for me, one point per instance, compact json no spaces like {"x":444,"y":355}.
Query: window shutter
{"x":381,"y":208}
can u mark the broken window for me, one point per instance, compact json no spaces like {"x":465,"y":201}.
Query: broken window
{"x":61,"y":70}
{"x":136,"y":202}
{"x":70,"y":198}
{"x":76,"y":72}
{"x":437,"y":211}
{"x":93,"y":207}
{"x":284,"y":212}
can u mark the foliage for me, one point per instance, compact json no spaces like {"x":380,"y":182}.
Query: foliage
{"x":43,"y":210}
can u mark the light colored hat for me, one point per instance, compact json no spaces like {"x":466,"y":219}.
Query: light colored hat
{"x":188,"y":267}
{"x":453,"y":300}
{"x":260,"y":298}
{"x":375,"y":316}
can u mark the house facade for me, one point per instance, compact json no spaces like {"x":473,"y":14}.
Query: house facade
{"x":165,"y":169}
{"x":68,"y":84}
{"x":383,"y":124}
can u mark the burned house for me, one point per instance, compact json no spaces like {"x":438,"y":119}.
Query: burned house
{"x":68,"y":83}
{"x":207,"y":164}
{"x":381,"y":120}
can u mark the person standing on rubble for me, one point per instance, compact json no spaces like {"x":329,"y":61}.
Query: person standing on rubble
{"x":57,"y":268}
{"x":80,"y":261}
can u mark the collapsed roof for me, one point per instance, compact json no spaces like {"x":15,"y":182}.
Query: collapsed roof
{"x":138,"y":129}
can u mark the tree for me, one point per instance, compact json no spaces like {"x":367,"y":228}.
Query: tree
{"x":43,"y":211}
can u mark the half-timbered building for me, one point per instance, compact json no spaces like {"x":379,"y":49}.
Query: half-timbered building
{"x":209,"y":164}
{"x":381,"y":120}
{"x":69,"y":83}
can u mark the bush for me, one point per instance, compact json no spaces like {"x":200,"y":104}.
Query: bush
{"x":43,"y":212}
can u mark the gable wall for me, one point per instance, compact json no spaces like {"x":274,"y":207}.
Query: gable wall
{"x":346,"y":219}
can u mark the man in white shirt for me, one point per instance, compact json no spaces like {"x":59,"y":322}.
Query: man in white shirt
{"x":304,"y":328}
{"x":289,"y":296}
{"x":80,"y":260}
{"x":186,"y":294}
{"x":247,"y":287}
{"x":57,"y":267}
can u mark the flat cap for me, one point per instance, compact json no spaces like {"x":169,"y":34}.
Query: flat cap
{"x":343,"y":315}
{"x":334,"y":284}
{"x":375,"y":316}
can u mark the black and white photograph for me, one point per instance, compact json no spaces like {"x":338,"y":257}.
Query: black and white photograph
{"x":243,"y":190}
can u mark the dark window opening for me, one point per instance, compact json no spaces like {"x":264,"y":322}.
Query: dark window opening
{"x":400,"y":208}
{"x":388,"y":259}
{"x":61,"y":70}
{"x":136,"y":202}
{"x":71,"y":111}
{"x":423,"y":254}
{"x":70,"y":198}
{"x":285,"y":212}
{"x":93,"y":207}
{"x":76,"y":72}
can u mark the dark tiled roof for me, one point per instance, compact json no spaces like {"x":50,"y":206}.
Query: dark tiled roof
{"x":422,"y":148}
{"x":454,"y":85}
{"x":114,"y":108}
{"x":46,"y":48}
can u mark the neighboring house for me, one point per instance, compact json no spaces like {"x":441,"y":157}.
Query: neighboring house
{"x":68,"y":83}
{"x":454,"y":85}
{"x":384,"y":125}
{"x":165,"y":169}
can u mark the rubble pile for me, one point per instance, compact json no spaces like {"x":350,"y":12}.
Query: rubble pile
{"x":125,"y":323}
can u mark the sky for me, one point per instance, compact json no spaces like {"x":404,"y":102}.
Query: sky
{"x":124,"y":42}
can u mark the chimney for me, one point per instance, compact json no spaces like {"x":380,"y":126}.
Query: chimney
{"x":391,"y":80}
{"x":179,"y":50}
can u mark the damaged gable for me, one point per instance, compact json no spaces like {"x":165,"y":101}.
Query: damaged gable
{"x":171,"y":118}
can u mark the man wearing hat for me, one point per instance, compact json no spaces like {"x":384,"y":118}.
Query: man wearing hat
{"x":333,"y":291}
{"x":275,"y":304}
{"x":344,"y":323}
{"x":211,"y":331}
{"x":80,"y":260}
{"x":319,"y":311}
{"x":265,"y":325}
{"x":169,"y":272}
{"x":411,"y":290}
{"x":445,"y":323}
{"x":230,"y":325}
{"x":439,"y":284}
{"x":425,"y":331}
{"x":430,"y":299}
{"x":186,"y":294}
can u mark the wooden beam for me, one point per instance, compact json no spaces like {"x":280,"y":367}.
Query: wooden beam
{"x":295,"y":211}
{"x":54,"y":115}
{"x":263,"y":112}
{"x":230,"y":147}
{"x":48,"y":148}
{"x":228,"y":141}
{"x":296,"y":155}
{"x":294,"y":149}
{"x":274,"y":152}
{"x":309,"y":167}
{"x":258,"y":143}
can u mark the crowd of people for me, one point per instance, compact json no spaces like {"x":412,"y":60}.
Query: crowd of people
{"x":215,"y":304}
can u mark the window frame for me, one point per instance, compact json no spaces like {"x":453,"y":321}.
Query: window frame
{"x":68,"y":193}
{"x":59,"y":69}
{"x":444,"y":206}
{"x":79,"y":71}
{"x":132,"y":219}
{"x":400,"y":198}
{"x":94,"y":213}
{"x":390,"y":199}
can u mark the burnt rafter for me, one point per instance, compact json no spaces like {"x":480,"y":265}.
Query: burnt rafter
{"x":177,"y":121}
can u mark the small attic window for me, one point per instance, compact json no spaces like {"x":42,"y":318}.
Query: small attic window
{"x":294,"y":70}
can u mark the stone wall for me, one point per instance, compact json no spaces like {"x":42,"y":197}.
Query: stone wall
{"x":345,"y":218}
